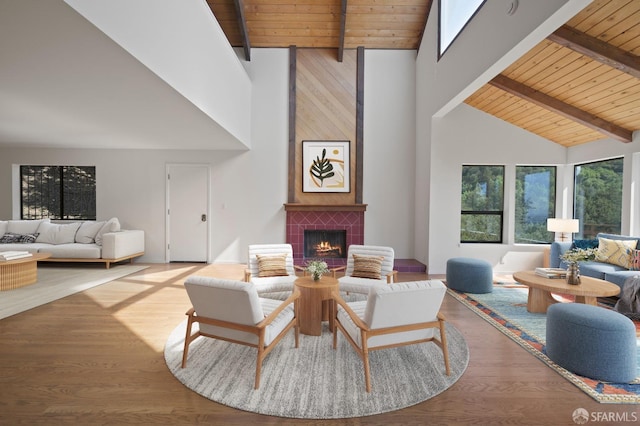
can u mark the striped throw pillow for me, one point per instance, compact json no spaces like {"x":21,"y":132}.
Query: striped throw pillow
{"x":367,"y":266}
{"x":272,"y":266}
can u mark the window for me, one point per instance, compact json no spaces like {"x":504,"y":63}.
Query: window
{"x":482,"y":204}
{"x":454,"y":16}
{"x":58,"y":192}
{"x":535,"y":202}
{"x":597,"y":199}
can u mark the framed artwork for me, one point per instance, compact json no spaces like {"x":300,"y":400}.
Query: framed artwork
{"x":325,"y":166}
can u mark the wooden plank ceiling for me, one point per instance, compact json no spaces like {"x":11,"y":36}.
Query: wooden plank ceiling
{"x":579,"y":85}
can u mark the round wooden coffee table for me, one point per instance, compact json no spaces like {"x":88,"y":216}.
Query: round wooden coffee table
{"x":540,"y":289}
{"x":315,"y":304}
{"x":20,"y":272}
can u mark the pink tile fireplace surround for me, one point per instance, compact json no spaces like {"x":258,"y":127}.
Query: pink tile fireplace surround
{"x":299,"y":221}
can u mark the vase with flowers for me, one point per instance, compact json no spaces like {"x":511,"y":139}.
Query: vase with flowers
{"x":572,"y":257}
{"x":316,"y":268}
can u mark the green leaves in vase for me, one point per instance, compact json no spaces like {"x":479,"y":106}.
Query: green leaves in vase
{"x":322,"y":168}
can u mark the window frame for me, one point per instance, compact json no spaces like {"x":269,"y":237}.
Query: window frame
{"x":62,"y":174}
{"x":499,"y":213}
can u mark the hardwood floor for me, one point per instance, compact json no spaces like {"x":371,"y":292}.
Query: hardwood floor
{"x":97,"y":358}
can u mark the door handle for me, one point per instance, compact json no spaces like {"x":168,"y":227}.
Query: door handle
{"x":203,"y":218}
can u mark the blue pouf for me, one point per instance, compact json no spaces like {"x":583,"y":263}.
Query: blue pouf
{"x":469,"y":275}
{"x":592,"y":342}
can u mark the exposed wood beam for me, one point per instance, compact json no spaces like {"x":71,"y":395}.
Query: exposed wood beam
{"x":291,"y":194}
{"x":343,"y":29}
{"x":597,"y":50}
{"x":244,"y":33}
{"x":569,"y":111}
{"x":359,"y":124}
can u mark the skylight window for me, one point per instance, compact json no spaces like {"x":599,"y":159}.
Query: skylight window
{"x":454,"y":15}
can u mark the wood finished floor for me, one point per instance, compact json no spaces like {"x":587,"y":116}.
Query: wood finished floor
{"x":97,"y":358}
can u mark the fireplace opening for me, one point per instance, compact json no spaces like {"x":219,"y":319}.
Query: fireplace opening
{"x":325,"y":243}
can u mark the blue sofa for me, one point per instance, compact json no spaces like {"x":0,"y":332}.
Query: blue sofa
{"x":605,"y":271}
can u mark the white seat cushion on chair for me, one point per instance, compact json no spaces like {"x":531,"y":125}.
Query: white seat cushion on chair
{"x":273,"y":284}
{"x":226,"y":300}
{"x":358,"y":285}
{"x":280,"y":322}
{"x":394,"y":305}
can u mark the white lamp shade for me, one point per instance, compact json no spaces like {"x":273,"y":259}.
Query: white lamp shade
{"x":563,"y":225}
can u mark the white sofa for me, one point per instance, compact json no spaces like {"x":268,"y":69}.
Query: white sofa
{"x":83,"y":241}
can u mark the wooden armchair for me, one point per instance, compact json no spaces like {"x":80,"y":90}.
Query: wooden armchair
{"x":232,"y":311}
{"x":366,"y":266}
{"x":393,"y":315}
{"x":270,"y":267}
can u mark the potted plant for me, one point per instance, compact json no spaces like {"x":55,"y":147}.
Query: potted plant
{"x":316,"y":268}
{"x":572,"y":257}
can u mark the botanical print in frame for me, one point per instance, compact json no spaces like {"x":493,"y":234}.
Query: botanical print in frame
{"x":325,"y":166}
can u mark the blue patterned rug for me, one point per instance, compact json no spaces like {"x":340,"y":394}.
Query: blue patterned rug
{"x":506,"y":309}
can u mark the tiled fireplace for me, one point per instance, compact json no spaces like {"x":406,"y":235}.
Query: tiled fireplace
{"x":324,"y":218}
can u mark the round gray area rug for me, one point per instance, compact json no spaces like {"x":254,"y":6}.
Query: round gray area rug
{"x":315,"y":381}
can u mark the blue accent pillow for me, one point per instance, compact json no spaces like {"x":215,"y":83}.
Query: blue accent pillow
{"x":585,"y":244}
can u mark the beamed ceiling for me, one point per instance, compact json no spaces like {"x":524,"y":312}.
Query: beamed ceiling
{"x":579,"y":85}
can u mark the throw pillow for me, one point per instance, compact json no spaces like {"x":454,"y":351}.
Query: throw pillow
{"x":635,"y":261}
{"x":272,"y":266}
{"x":112,"y":225}
{"x":616,"y":252}
{"x":367,"y":266}
{"x":88,"y":230}
{"x":585,"y":244}
{"x":25,"y":226}
{"x":53,"y":233}
{"x":11,"y":238}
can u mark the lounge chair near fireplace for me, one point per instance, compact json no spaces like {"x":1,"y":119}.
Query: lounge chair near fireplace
{"x":366,"y":266}
{"x":270,"y":267}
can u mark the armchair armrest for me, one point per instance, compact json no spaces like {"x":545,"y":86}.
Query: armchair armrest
{"x":247,"y":275}
{"x":269,"y":318}
{"x":335,"y":294}
{"x":392,"y":277}
{"x":334,"y":270}
{"x":300,"y":268}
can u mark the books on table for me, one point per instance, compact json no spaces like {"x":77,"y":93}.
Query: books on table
{"x":13,"y":255}
{"x":551,"y":272}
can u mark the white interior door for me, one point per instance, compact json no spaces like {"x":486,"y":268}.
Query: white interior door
{"x":187,"y":212}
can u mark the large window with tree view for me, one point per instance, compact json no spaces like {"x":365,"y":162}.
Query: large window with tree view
{"x":58,"y":192}
{"x":535,"y":202}
{"x":598,"y":197}
{"x":482,"y":204}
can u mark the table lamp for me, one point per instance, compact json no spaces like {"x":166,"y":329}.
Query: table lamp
{"x":563,"y":226}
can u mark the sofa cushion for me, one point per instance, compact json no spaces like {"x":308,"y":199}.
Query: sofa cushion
{"x":88,"y":230}
{"x":619,"y":277}
{"x":25,"y":226}
{"x":54,"y":233}
{"x":11,"y":238}
{"x":616,"y":252}
{"x":598,"y":269}
{"x":74,"y":251}
{"x":112,"y":225}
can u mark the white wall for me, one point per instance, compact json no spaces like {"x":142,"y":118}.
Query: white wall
{"x":248,"y":188}
{"x":389,"y":147}
{"x":467,"y":136}
{"x":491,"y":41}
{"x":182,"y":42}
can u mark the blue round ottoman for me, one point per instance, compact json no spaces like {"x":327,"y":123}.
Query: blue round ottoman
{"x":469,"y":275}
{"x":592,"y":342}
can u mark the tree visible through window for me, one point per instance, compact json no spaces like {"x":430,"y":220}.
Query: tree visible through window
{"x":535,"y":202}
{"x":58,"y":192}
{"x":598,"y":197}
{"x":482,"y":204}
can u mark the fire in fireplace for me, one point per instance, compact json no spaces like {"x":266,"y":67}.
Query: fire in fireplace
{"x":325,"y":243}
